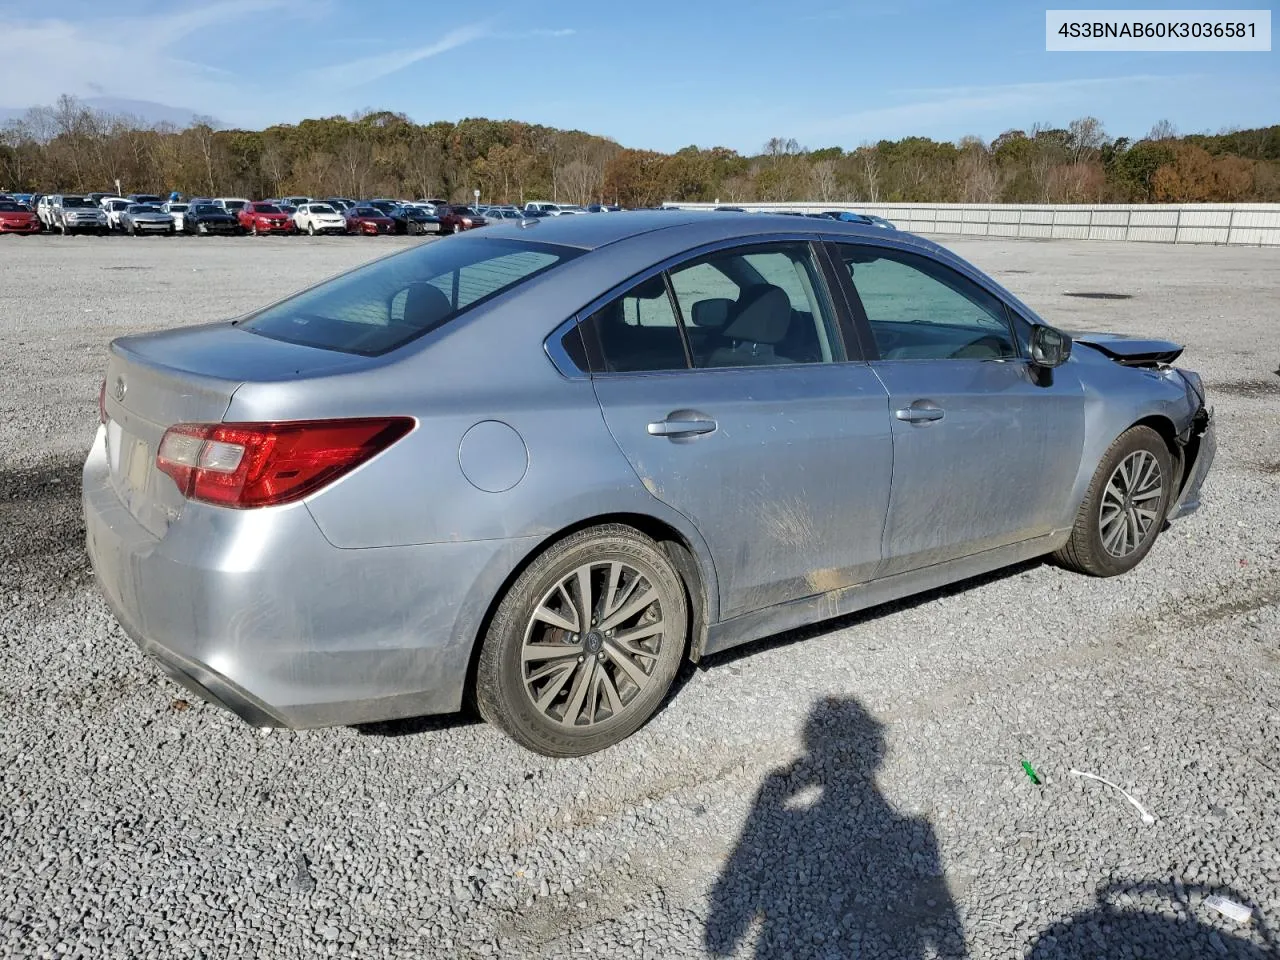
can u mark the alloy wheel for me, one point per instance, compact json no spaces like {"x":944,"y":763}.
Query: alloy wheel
{"x":592,"y":644}
{"x":1130,"y":503}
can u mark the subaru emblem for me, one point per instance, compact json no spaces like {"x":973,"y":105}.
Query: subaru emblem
{"x":120,"y":390}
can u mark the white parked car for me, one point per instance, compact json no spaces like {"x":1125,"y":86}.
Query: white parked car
{"x":554,"y":209}
{"x":175,"y":209}
{"x":44,"y":211}
{"x":113,"y":207}
{"x":319,"y":218}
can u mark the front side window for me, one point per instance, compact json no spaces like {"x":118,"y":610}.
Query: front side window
{"x":757,"y":306}
{"x":919,"y":309}
{"x":389,"y":302}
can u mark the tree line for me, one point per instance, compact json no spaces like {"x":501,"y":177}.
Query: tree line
{"x":70,"y":147}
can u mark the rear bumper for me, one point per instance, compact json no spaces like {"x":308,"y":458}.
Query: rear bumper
{"x":255,"y":611}
{"x":1200,"y":449}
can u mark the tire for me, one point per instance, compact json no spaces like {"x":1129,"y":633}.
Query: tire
{"x":592,"y":703}
{"x":1125,"y":507}
{"x":311,"y":229}
{"x":255,"y":230}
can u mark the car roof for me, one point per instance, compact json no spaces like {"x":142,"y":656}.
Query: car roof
{"x":701,"y":226}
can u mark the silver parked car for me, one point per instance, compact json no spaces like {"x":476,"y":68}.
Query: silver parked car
{"x":540,"y":464}
{"x":139,"y":218}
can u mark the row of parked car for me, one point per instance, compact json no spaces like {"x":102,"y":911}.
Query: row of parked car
{"x":141,"y":213}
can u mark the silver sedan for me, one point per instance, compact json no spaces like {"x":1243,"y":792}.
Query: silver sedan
{"x":539,"y":465}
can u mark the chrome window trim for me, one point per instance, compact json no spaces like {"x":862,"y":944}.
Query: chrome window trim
{"x":567,"y":368}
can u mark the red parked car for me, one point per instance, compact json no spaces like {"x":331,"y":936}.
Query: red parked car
{"x":16,"y":218}
{"x":369,"y":220}
{"x":260,"y":218}
{"x":456,"y":219}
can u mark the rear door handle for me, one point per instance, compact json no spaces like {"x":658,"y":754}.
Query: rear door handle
{"x":922,"y":411}
{"x":682,"y":423}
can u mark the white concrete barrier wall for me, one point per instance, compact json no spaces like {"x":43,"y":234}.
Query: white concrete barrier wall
{"x":1246,"y":224}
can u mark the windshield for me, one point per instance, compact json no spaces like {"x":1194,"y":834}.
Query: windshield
{"x":177,"y":208}
{"x":76,"y":202}
{"x":206,"y":210}
{"x":367,"y":212}
{"x":321,"y":208}
{"x":233,"y":204}
{"x":143,"y":208}
{"x":8,"y":206}
{"x":389,"y":302}
{"x":266,"y":208}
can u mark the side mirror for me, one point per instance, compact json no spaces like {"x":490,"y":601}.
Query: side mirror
{"x":1049,"y":347}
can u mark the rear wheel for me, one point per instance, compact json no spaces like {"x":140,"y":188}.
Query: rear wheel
{"x":585,"y":643}
{"x":1125,"y":507}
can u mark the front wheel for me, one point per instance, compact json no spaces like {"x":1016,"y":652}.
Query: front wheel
{"x":311,"y":229}
{"x":585,"y":643}
{"x":1125,"y":507}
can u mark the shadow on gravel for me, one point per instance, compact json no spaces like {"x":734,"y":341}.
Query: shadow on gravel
{"x":1166,"y":931}
{"x":41,"y":529}
{"x":412,"y":726}
{"x":826,"y":866}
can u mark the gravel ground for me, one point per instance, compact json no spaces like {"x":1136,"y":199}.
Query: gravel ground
{"x":858,"y":794}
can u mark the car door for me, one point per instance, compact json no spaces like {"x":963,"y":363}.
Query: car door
{"x":761,"y":431}
{"x":986,"y":445}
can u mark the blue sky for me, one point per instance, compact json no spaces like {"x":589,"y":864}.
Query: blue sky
{"x":659,"y":74}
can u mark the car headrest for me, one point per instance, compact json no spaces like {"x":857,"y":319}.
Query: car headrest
{"x":712,"y":313}
{"x":426,"y":306}
{"x":763,"y":315}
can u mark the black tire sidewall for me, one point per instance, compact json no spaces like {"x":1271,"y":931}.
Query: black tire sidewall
{"x":500,"y":694}
{"x":1130,"y":442}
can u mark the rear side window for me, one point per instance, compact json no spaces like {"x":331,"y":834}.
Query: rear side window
{"x":635,"y":332}
{"x":389,"y":302}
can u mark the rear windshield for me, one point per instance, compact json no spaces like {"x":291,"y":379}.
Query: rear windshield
{"x":389,"y":302}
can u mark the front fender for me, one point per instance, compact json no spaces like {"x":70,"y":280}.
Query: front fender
{"x":1116,"y":398}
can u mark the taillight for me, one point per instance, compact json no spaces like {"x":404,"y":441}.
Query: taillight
{"x":265,"y":464}
{"x":102,"y":402}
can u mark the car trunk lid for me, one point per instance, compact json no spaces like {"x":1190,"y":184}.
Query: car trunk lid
{"x":185,"y":376}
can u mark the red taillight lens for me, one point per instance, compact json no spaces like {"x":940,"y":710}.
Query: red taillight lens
{"x":265,"y":464}
{"x":102,"y":402}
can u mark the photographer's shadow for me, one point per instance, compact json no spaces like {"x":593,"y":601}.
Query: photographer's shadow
{"x":826,"y":866}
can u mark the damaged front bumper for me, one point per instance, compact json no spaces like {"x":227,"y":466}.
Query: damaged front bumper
{"x":1198,"y":452}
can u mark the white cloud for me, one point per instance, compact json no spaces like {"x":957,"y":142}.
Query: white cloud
{"x":947,"y":106}
{"x":547,"y":32}
{"x":354,"y":73}
{"x":127,"y":57}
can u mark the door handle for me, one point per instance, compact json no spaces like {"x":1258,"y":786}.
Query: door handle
{"x":922,"y":411}
{"x":682,"y":423}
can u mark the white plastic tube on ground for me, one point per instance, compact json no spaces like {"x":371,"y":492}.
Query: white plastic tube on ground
{"x":1147,"y":818}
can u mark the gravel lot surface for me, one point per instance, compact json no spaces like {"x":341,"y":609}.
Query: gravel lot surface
{"x":857,"y":794}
